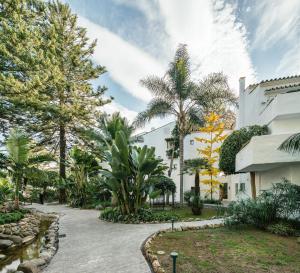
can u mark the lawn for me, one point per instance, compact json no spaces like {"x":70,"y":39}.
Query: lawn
{"x":185,"y":213}
{"x":223,"y":250}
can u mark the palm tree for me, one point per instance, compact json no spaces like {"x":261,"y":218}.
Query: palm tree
{"x":176,"y":94}
{"x":20,"y":159}
{"x":292,"y":144}
{"x":194,"y":166}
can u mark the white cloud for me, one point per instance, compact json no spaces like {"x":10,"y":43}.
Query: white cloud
{"x":130,"y":115}
{"x":278,"y":20}
{"x":126,"y":64}
{"x":216,"y":41}
{"x":290,"y":63}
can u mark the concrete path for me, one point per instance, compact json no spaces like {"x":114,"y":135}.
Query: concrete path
{"x":94,"y":246}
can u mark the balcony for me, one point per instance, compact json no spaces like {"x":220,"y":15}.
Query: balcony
{"x":262,"y":154}
{"x":282,"y":106}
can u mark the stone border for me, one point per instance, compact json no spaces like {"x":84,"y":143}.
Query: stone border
{"x":165,"y":222}
{"x":48,"y":251}
{"x":152,"y":259}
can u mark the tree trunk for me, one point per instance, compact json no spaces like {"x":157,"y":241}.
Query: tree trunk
{"x":253,"y":186}
{"x":197,"y":184}
{"x":17,"y":202}
{"x":62,"y":162}
{"x":171,"y":163}
{"x":181,"y":159}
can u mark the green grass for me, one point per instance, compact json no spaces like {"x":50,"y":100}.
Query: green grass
{"x":185,"y":213}
{"x":229,"y":251}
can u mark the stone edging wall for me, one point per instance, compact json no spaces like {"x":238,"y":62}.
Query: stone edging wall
{"x":27,"y":226}
{"x":48,"y":251}
{"x":152,"y":258}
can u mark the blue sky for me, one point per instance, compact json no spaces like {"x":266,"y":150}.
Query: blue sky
{"x":258,"y":39}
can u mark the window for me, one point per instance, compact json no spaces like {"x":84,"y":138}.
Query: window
{"x":236,"y":188}
{"x":242,"y":187}
{"x":191,"y":142}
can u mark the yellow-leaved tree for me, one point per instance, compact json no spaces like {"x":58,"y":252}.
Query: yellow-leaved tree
{"x":213,"y":134}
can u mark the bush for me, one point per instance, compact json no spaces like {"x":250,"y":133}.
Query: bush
{"x":212,"y":201}
{"x":282,"y":228}
{"x":282,"y":202}
{"x":11,"y":217}
{"x":143,"y":215}
{"x":234,"y":143}
{"x":187,"y":197}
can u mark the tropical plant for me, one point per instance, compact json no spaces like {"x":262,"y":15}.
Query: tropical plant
{"x":165,"y":185}
{"x":177,"y":95}
{"x":281,"y":202}
{"x":194,"y":167}
{"x":291,"y":144}
{"x":6,"y":189}
{"x":83,"y":169}
{"x":21,"y":158}
{"x":214,"y":134}
{"x":101,"y":139}
{"x":142,"y":215}
{"x":132,"y":172}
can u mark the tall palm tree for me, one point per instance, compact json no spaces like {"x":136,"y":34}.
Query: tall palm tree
{"x":176,"y":94}
{"x":292,"y":144}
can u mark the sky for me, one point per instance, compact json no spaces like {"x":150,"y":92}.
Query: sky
{"x":257,"y":39}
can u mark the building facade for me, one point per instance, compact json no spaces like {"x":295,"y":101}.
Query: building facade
{"x":275,"y":103}
{"x":159,"y":139}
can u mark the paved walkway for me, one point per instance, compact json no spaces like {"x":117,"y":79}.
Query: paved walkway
{"x":95,"y":246}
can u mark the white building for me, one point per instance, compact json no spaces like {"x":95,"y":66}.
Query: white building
{"x":275,"y":103}
{"x":158,"y":138}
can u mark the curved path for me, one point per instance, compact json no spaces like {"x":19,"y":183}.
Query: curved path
{"x":95,"y":246}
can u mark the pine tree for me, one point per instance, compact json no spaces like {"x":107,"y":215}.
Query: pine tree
{"x":69,"y":102}
{"x":214,"y":130}
{"x":22,"y":62}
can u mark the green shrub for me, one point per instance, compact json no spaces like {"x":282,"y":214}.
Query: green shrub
{"x":282,"y":202}
{"x":212,"y":201}
{"x":143,"y":215}
{"x":187,"y":197}
{"x":234,"y":143}
{"x":282,"y":228}
{"x":11,"y":217}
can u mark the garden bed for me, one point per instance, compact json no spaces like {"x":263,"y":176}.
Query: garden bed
{"x":226,"y":250}
{"x":182,"y":214}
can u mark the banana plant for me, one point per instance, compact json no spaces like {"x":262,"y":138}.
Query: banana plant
{"x":132,"y":172}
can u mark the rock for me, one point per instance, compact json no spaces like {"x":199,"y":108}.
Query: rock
{"x":28,"y":267}
{"x":4,"y":243}
{"x":28,"y":239}
{"x":38,"y":262}
{"x":2,"y":257}
{"x":16,"y":239}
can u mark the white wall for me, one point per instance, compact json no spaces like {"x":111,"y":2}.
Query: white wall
{"x":279,"y":110}
{"x":156,"y":138}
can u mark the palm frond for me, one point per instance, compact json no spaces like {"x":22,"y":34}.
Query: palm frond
{"x":291,"y":144}
{"x":17,"y":146}
{"x":156,"y":108}
{"x":214,"y":93}
{"x":159,"y":87}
